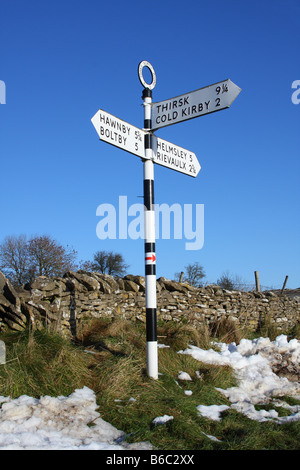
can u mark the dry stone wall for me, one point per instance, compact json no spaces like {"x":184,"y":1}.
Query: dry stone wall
{"x":67,"y":304}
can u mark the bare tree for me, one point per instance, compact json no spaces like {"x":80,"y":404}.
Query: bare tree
{"x":226,"y":281}
{"x":48,"y":258}
{"x":21,"y":260}
{"x":230,"y":282}
{"x":193,"y":276}
{"x":15,"y":260}
{"x":107,"y":263}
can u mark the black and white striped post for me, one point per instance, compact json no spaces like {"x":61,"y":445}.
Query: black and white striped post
{"x":149,"y":227}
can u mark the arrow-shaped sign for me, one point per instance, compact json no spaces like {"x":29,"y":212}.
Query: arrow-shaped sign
{"x":119,"y":133}
{"x":194,"y":104}
{"x":174,"y":157}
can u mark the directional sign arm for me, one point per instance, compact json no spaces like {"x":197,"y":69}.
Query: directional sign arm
{"x":194,"y":104}
{"x":174,"y":157}
{"x":119,"y":133}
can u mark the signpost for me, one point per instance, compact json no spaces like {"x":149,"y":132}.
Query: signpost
{"x":151,"y":149}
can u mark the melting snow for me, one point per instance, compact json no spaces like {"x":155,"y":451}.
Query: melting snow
{"x":184,"y":376}
{"x":57,"y":423}
{"x":252,"y":363}
{"x":162,"y":419}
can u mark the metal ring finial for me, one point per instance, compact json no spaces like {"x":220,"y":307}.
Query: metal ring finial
{"x":147,"y":64}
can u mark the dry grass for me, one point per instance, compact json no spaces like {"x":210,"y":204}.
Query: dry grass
{"x":226,"y":331}
{"x":179,"y":336}
{"x":113,"y":335}
{"x":39,"y":363}
{"x":120,"y":377}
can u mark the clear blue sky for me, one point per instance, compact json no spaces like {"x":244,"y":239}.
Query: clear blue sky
{"x":63,"y":60}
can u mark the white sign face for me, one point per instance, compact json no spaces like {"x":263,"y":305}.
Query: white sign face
{"x":174,"y":157}
{"x":196,"y":103}
{"x":119,"y":133}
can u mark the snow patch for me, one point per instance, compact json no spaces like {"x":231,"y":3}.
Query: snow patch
{"x":252,"y":363}
{"x":67,"y":423}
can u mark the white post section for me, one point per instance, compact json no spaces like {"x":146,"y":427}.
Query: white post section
{"x":150,"y":257}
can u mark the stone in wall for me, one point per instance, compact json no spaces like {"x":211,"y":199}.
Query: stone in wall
{"x":11,"y":312}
